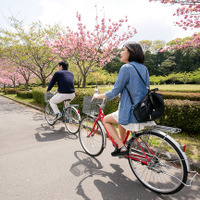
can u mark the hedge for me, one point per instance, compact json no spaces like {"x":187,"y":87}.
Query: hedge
{"x":181,"y":95}
{"x":38,"y":95}
{"x":10,"y":91}
{"x":25,"y":94}
{"x":183,"y":114}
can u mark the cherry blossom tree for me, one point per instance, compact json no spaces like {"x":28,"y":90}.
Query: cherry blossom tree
{"x":90,"y":50}
{"x":14,"y":75}
{"x":189,"y":10}
{"x":27,"y":76}
{"x":192,"y":42}
{"x":9,"y":74}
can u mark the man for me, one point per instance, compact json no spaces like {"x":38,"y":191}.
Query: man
{"x":65,"y":81}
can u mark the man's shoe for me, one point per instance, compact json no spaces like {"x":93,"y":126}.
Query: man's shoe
{"x":120,"y":152}
{"x":58,"y":116}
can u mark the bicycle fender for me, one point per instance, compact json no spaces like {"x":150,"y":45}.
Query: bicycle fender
{"x":79,"y":117}
{"x":104,"y":132}
{"x":165,"y":135}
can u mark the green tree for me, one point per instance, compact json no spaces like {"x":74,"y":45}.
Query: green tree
{"x":114,"y":65}
{"x":167,"y":66}
{"x":146,"y":45}
{"x":26,"y":47}
{"x":157,"y":45}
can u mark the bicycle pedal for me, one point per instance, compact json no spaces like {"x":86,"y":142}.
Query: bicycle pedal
{"x":123,"y":156}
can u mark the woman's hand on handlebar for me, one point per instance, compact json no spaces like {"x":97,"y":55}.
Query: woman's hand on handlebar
{"x":99,"y":96}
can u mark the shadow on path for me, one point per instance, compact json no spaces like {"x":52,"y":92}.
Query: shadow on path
{"x":47,"y":133}
{"x":115,"y":185}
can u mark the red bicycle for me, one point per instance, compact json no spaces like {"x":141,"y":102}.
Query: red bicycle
{"x":155,"y":158}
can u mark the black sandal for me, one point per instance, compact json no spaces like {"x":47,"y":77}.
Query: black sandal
{"x":120,"y":152}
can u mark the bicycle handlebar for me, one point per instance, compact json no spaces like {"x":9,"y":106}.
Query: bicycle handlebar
{"x":102,"y":104}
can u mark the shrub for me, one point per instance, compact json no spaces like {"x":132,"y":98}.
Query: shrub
{"x":25,"y":94}
{"x":183,"y":114}
{"x":21,"y":87}
{"x":181,"y":96}
{"x":10,"y":91}
{"x":38,"y":95}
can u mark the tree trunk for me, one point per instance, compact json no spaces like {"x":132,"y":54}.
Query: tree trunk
{"x":79,"y":81}
{"x":26,"y":86}
{"x":84,"y":81}
{"x":43,"y":83}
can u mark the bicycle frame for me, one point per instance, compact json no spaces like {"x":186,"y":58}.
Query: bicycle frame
{"x":100,"y":117}
{"x":134,"y":157}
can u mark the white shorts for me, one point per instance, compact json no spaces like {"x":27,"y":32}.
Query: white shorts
{"x":132,"y":126}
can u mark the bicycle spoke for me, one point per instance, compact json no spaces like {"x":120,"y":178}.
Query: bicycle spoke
{"x":91,"y":136}
{"x":49,"y":115}
{"x":71,"y":119}
{"x":158,"y":164}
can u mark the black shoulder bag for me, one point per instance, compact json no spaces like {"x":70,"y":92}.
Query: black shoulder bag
{"x":150,"y":107}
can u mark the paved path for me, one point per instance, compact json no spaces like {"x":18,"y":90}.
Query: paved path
{"x":39,"y":162}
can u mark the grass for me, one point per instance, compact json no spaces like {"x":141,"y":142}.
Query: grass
{"x":178,"y":87}
{"x":192,"y":145}
{"x":168,"y":87}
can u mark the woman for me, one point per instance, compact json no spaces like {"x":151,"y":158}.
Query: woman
{"x":128,"y":78}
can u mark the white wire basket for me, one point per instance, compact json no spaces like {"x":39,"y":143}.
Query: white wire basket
{"x":92,"y":107}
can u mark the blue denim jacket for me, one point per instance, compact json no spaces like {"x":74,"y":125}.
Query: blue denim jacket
{"x":129,"y":77}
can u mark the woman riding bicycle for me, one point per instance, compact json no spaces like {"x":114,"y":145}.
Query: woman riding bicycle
{"x":132,"y":54}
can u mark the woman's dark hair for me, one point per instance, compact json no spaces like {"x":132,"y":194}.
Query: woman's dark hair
{"x":136,"y":52}
{"x":64,"y":64}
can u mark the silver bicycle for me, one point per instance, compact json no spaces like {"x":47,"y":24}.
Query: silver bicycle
{"x":70,"y":115}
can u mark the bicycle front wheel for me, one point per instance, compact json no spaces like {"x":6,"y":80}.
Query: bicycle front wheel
{"x":157,"y":163}
{"x":49,"y":115}
{"x":91,"y":136}
{"x":72,"y":119}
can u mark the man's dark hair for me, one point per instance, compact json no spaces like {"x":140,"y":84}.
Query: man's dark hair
{"x":64,"y":64}
{"x":136,"y":52}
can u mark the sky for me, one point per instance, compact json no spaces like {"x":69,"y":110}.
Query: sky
{"x":153,"y":21}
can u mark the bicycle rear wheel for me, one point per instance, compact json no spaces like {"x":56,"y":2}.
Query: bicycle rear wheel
{"x":72,"y":119}
{"x":49,"y":115}
{"x":166,"y":170}
{"x":91,"y":136}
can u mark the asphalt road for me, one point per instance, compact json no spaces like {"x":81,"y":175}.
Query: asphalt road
{"x":39,"y":162}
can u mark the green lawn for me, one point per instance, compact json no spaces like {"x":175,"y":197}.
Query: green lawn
{"x":178,"y":88}
{"x":173,"y":88}
{"x":192,"y":145}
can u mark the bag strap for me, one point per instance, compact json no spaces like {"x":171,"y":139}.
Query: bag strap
{"x":131,"y":100}
{"x":140,"y":76}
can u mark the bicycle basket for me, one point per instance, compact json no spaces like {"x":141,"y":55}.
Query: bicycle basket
{"x":92,"y":108}
{"x":47,"y":96}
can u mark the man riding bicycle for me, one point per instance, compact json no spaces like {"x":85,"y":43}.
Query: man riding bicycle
{"x":66,"y":90}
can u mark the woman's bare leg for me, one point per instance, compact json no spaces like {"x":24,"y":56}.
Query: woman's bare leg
{"x":122,"y":132}
{"x":108,"y":121}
